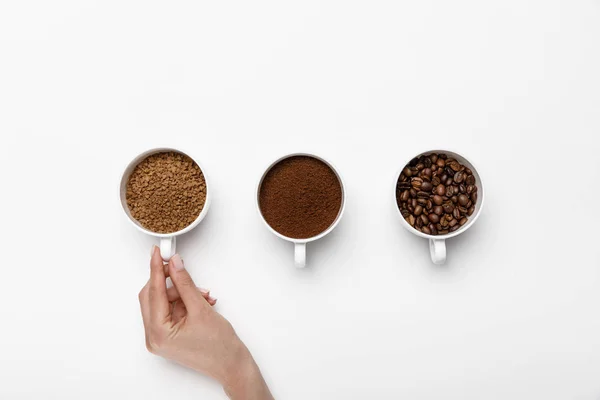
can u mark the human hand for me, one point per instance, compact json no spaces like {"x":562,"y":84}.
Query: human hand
{"x":181,"y":325}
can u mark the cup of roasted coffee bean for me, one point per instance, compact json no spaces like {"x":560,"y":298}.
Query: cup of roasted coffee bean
{"x":439,"y":195}
{"x":164,"y":193}
{"x":300,"y":198}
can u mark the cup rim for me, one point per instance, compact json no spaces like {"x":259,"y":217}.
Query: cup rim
{"x":125,"y":177}
{"x":472,"y":219}
{"x":333,"y":224}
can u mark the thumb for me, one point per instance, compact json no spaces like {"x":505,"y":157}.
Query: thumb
{"x":190,"y":295}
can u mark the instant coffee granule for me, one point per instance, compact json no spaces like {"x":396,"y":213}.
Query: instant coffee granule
{"x":166,"y":192}
{"x":300,"y":197}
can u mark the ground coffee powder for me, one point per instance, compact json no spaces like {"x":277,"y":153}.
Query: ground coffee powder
{"x":300,"y":197}
{"x":166,"y":192}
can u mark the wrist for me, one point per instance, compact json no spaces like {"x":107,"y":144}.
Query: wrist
{"x":245,"y":381}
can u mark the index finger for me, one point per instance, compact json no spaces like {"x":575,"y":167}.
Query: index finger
{"x":159,"y":303}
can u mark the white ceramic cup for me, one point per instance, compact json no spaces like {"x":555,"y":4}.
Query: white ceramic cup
{"x":167,"y":241}
{"x":437,"y":243}
{"x":300,"y":244}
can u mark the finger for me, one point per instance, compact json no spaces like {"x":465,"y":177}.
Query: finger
{"x":173,"y":295}
{"x":190,"y":295}
{"x":145,"y":305}
{"x":159,"y":305}
{"x":145,"y":308}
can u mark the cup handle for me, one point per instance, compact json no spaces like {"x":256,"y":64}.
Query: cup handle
{"x":300,"y":255}
{"x":437,"y":248}
{"x":167,"y":248}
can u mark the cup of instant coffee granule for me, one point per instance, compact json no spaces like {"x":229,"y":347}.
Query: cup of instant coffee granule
{"x":439,"y":195}
{"x":164,"y":193}
{"x":300,"y":198}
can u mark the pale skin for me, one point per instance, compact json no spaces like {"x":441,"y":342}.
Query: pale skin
{"x":181,"y":325}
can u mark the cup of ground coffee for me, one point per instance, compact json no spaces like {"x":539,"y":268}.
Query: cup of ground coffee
{"x":439,"y":195}
{"x":164,"y":193}
{"x":300,"y":198}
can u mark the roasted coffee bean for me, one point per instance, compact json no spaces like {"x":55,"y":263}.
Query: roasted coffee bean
{"x":459,"y":177}
{"x":456,"y":213}
{"x":436,"y":193}
{"x":426,"y":186}
{"x":455,"y":166}
{"x":448,"y":208}
{"x":440,"y":190}
{"x":433,"y":229}
{"x":405,"y":196}
{"x":416,"y":183}
{"x":403,"y":184}
{"x":433,"y":217}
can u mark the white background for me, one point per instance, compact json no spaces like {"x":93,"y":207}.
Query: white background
{"x":513,"y":85}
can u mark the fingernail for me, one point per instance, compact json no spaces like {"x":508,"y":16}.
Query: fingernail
{"x":177,"y":262}
{"x":152,"y":250}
